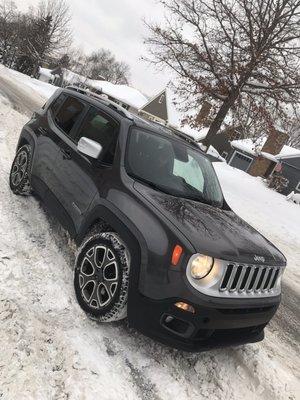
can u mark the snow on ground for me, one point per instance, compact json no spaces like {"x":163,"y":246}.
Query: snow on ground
{"x":44,"y":89}
{"x":268,"y":211}
{"x":51,"y":350}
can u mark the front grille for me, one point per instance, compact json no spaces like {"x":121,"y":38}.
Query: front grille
{"x":249,"y":278}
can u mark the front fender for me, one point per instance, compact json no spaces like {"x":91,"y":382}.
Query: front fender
{"x":134,"y":240}
{"x":27,"y":136}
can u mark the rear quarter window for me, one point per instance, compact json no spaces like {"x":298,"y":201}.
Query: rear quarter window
{"x":56,"y":104}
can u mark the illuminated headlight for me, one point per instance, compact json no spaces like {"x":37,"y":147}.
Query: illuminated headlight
{"x":201,"y":266}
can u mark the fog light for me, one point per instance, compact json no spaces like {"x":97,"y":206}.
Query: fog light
{"x":201,"y":266}
{"x":185,"y":307}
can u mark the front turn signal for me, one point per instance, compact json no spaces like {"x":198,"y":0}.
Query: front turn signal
{"x":177,"y":252}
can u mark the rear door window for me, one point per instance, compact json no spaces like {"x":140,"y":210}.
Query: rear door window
{"x":68,"y":114}
{"x":102,"y":129}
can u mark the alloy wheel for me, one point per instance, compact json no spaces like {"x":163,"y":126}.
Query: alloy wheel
{"x":19,"y":168}
{"x":98,"y":276}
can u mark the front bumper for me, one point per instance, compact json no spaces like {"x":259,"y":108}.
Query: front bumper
{"x":212,"y":325}
{"x":217,"y":321}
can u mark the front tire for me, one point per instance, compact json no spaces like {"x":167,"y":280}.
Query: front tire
{"x":101,"y":277}
{"x":19,"y":179}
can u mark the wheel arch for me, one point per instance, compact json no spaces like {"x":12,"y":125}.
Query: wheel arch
{"x":108,"y":219}
{"x":26,"y":137}
{"x":114,"y":220}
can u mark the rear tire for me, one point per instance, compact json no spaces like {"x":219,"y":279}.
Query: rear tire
{"x":19,"y":179}
{"x":101,"y":277}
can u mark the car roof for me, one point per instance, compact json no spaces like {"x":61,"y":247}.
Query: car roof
{"x":150,"y":126}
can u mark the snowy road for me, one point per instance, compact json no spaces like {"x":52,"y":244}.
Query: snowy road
{"x":50,"y":350}
{"x":19,"y":98}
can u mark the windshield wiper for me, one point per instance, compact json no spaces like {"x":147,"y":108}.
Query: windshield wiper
{"x":196,"y":196}
{"x":152,"y":185}
{"x":198,"y":199}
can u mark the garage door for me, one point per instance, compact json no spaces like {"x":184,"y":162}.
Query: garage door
{"x":240,"y":161}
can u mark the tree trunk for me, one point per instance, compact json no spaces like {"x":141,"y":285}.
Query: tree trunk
{"x":223,"y":111}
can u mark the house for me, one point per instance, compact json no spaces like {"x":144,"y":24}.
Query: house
{"x":245,"y":152}
{"x":156,"y":109}
{"x":222,"y":141}
{"x":45,"y":75}
{"x":258,"y":159}
{"x":126,"y":96}
{"x":290,"y":169}
{"x":286,"y":163}
{"x":61,"y":77}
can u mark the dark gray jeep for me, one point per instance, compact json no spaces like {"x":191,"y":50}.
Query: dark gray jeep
{"x":158,"y":242}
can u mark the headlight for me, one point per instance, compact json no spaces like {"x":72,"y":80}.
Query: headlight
{"x":201,"y":266}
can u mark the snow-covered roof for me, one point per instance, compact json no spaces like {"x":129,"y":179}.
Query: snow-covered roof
{"x":288,"y":152}
{"x":198,"y":135}
{"x":124,"y":93}
{"x":45,"y":72}
{"x":254,"y":149}
{"x":269,"y":156}
{"x":72,"y":77}
{"x":247,"y":145}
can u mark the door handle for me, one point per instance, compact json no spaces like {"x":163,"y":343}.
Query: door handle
{"x":66,"y":154}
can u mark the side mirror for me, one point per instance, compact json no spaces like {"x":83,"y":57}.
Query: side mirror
{"x":89,"y":147}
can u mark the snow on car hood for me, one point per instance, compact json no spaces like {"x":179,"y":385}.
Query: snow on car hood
{"x":213,"y":231}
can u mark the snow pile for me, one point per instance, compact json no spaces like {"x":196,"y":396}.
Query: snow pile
{"x":33,"y":87}
{"x":295,"y":197}
{"x":214,"y":152}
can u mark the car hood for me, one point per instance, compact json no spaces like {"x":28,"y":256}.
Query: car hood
{"x":213,"y":231}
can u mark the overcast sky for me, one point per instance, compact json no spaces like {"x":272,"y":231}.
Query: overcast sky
{"x":118,"y":26}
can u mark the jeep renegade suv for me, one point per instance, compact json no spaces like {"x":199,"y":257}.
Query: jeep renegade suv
{"x":158,"y":242}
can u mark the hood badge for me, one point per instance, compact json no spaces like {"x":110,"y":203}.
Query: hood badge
{"x":259,"y":258}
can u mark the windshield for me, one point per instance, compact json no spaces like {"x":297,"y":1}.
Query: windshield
{"x":172,"y":167}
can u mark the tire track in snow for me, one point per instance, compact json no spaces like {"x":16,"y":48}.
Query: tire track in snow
{"x":286,"y":321}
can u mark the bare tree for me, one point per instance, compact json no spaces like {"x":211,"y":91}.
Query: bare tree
{"x":78,"y":61}
{"x":60,"y":37}
{"x":30,"y":39}
{"x":226,"y":52}
{"x":50,"y":33}
{"x":100,"y":64}
{"x":292,"y":128}
{"x":8,"y":15}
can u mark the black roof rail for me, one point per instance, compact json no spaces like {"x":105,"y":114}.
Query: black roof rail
{"x":122,"y":111}
{"x":111,"y":104}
